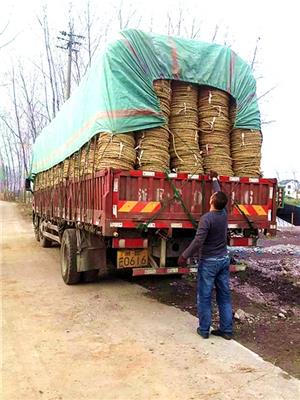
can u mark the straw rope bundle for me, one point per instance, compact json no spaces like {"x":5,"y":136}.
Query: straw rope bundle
{"x":232,"y":112}
{"x":58,"y":174}
{"x":45,"y":178}
{"x":91,"y":154}
{"x":74,"y":166}
{"x":37,"y":182}
{"x":61,"y":172}
{"x":246,"y":152}
{"x":41,"y":180}
{"x":55,"y":172}
{"x":66,"y":167}
{"x":153,"y":150}
{"x":163,"y":91}
{"x":183,"y":125}
{"x":214,"y":126}
{"x":49,"y":178}
{"x":152,"y":145}
{"x":83,"y":156}
{"x":115,"y":151}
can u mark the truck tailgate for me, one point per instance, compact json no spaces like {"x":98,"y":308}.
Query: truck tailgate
{"x":148,"y":197}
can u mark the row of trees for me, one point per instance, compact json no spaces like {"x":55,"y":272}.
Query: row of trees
{"x":36,"y":88}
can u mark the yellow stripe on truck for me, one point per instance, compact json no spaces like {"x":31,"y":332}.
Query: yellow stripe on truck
{"x":244,"y":209}
{"x":150,"y":207}
{"x":259,"y":210}
{"x":128,"y":206}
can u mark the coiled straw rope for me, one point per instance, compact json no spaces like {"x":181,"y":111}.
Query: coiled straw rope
{"x":214,"y":126}
{"x":152,"y":145}
{"x":115,"y":151}
{"x":232,"y":112}
{"x":183,"y":126}
{"x":246,"y":152}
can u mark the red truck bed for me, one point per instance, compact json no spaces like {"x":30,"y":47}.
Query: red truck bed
{"x":126,"y":199}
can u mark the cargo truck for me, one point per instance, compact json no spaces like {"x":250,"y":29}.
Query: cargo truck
{"x":141,"y":221}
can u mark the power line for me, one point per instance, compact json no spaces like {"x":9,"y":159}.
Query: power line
{"x":70,"y":43}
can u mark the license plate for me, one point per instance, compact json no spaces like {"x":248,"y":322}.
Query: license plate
{"x":132,"y":258}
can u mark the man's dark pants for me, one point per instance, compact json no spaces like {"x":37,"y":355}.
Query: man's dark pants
{"x":214,"y":272}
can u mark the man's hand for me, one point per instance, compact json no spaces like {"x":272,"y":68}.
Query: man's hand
{"x":213,"y":174}
{"x":182,"y":261}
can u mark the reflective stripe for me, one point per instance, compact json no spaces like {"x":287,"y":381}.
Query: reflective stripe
{"x":190,"y":176}
{"x":270,"y":215}
{"x":259,"y":210}
{"x":148,"y":173}
{"x":176,"y":225}
{"x":114,"y":224}
{"x":253,"y":180}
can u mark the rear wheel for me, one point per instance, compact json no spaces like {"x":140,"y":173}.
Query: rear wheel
{"x":68,"y":253}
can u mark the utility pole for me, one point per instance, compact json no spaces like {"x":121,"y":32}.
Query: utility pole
{"x":71,"y":44}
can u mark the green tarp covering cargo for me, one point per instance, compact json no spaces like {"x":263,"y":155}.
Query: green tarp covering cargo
{"x":117,"y":95}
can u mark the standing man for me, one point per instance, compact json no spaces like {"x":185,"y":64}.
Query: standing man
{"x":210,"y":245}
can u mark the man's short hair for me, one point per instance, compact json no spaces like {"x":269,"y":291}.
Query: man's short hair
{"x":219,"y":200}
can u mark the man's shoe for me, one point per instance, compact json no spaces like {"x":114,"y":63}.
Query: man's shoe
{"x":204,"y":335}
{"x":224,"y":335}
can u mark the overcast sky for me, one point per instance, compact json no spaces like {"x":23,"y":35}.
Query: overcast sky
{"x":275,"y":22}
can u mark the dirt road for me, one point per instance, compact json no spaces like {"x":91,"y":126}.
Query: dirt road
{"x":109,"y":340}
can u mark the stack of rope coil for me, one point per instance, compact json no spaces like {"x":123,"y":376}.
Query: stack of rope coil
{"x":194,"y":116}
{"x":246,"y":152}
{"x":74,"y":165}
{"x":91,"y":155}
{"x":49,"y":178}
{"x":42,"y":182}
{"x":61,"y":178}
{"x":38,"y":182}
{"x":55,"y":171}
{"x":183,"y":126}
{"x":115,"y":151}
{"x":232,"y":112}
{"x":214,"y":126}
{"x":66,"y":167}
{"x":152,"y":145}
{"x":83,"y":160}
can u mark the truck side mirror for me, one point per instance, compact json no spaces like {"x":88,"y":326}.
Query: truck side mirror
{"x":28,"y":185}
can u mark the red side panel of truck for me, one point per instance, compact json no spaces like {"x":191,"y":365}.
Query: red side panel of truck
{"x":113,"y":199}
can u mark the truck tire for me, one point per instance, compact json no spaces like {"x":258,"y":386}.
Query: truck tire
{"x":90,"y":276}
{"x":68,"y":251}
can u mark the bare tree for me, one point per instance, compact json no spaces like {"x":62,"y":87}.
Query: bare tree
{"x":56,"y":92}
{"x":255,"y":54}
{"x":9,"y":41}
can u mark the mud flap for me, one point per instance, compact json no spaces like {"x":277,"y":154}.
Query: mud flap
{"x":91,"y":253}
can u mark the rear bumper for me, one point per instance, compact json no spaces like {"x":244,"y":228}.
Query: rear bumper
{"x":163,"y":271}
{"x":178,"y":270}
